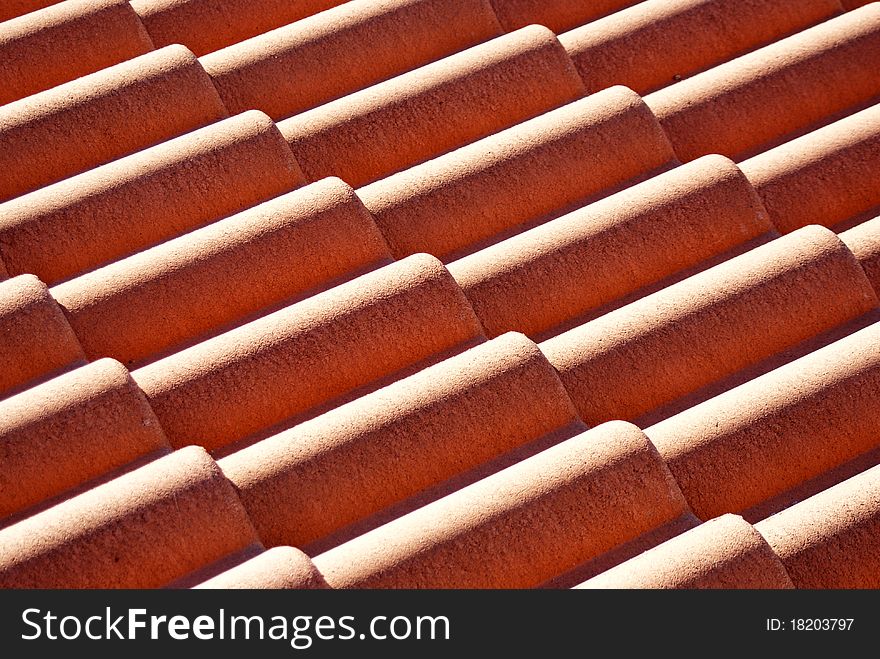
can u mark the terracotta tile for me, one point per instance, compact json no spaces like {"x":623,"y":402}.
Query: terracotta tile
{"x":643,"y":47}
{"x":709,"y":326}
{"x":12,"y":8}
{"x":309,"y":354}
{"x":103,"y":116}
{"x":771,"y":434}
{"x":206,"y":25}
{"x":558,"y":15}
{"x":853,"y":4}
{"x":138,"y":201}
{"x":534,"y":282}
{"x":35,"y":338}
{"x":71,"y":429}
{"x":739,"y":107}
{"x":66,"y":41}
{"x":277,"y":568}
{"x":140,"y":530}
{"x":303,"y":484}
{"x":825,"y":177}
{"x":726,"y":552}
{"x":307,"y":63}
{"x":864,"y":241}
{"x":453,"y":202}
{"x":220,"y":274}
{"x":831,"y":539}
{"x":523,"y":525}
{"x":400,"y":122}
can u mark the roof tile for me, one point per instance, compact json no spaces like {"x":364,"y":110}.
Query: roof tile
{"x":220,"y":274}
{"x":533,"y":282}
{"x":558,"y":15}
{"x":520,"y":526}
{"x":310,"y":481}
{"x":84,"y":424}
{"x":102,"y":116}
{"x":36,"y":340}
{"x":141,"y":530}
{"x":832,"y":539}
{"x":291,"y":362}
{"x":696,"y":332}
{"x":747,"y":104}
{"x":777,"y":431}
{"x":114,"y":210}
{"x":726,"y":552}
{"x":279,"y":567}
{"x":642,"y":47}
{"x":307,"y":63}
{"x":864,"y":241}
{"x":66,"y":41}
{"x":453,"y":202}
{"x":12,"y":8}
{"x":400,"y":122}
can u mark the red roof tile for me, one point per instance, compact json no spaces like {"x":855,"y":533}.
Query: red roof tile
{"x":864,"y":241}
{"x":66,"y":41}
{"x":13,"y":8}
{"x":279,"y":567}
{"x":558,"y":15}
{"x":309,"y":62}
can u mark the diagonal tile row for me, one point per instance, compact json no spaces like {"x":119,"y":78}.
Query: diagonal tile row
{"x":481,"y":517}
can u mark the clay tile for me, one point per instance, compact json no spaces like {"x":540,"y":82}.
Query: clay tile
{"x":864,"y":241}
{"x":726,"y":552}
{"x":138,"y":201}
{"x":223,"y":272}
{"x":523,"y":525}
{"x":309,"y":354}
{"x":534,"y":282}
{"x":35,"y":338}
{"x":711,"y":325}
{"x":641,"y":47}
{"x":66,"y":41}
{"x":558,"y":15}
{"x":832,"y":539}
{"x":825,"y":177}
{"x":777,"y":431}
{"x":102,"y":116}
{"x":853,"y":4}
{"x":12,"y":8}
{"x":747,"y":104}
{"x":71,"y":429}
{"x":453,"y":202}
{"x":310,"y":62}
{"x":397,"y":123}
{"x":141,"y":530}
{"x":303,"y":484}
{"x":206,"y":25}
{"x":277,"y":568}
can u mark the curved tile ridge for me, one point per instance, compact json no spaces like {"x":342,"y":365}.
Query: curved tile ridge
{"x":222,"y":273}
{"x":102,"y":116}
{"x":832,"y":539}
{"x":641,"y":47}
{"x":421,"y":114}
{"x":745,"y":105}
{"x":140,"y":530}
{"x":534,"y":282}
{"x":66,"y":41}
{"x":276,"y":568}
{"x":356,"y":460}
{"x":771,"y":434}
{"x":825,"y":177}
{"x":453,"y":202}
{"x":558,"y":15}
{"x":122,"y":207}
{"x":306,"y":355}
{"x":726,"y":552}
{"x":864,"y":241}
{"x":310,"y":62}
{"x":71,"y":429}
{"x":523,"y":525}
{"x":35,"y":338}
{"x":13,"y":8}
{"x":699,"y":331}
{"x":206,"y":25}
